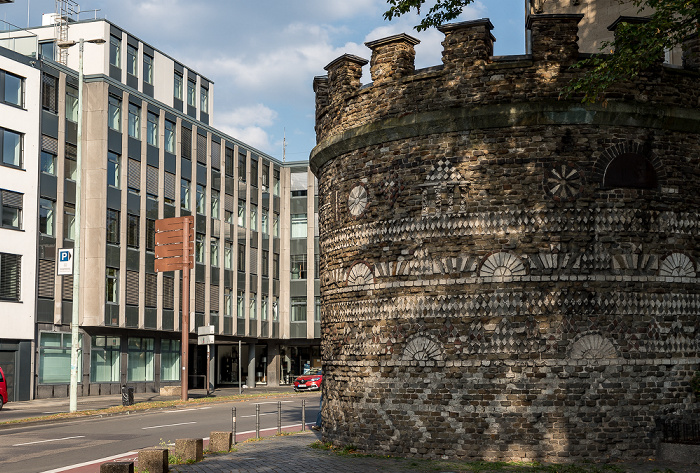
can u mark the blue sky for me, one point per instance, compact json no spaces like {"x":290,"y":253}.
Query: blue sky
{"x":262,"y":55}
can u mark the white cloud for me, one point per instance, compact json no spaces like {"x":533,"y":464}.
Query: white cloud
{"x":247,"y":123}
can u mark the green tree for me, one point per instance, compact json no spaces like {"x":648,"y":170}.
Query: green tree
{"x":637,"y":46}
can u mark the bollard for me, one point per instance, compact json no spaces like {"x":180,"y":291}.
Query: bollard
{"x":220,"y":442}
{"x":189,"y":450}
{"x":279,"y":417}
{"x":303,"y":415}
{"x":233,"y":425}
{"x":257,"y":421}
{"x":117,"y":467}
{"x":153,"y":460}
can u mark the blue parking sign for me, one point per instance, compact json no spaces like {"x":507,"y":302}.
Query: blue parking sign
{"x":65,"y":262}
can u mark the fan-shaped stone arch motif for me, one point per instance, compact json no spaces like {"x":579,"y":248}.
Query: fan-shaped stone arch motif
{"x":592,"y":347}
{"x":677,"y":265}
{"x":502,"y":266}
{"x":422,"y":348}
{"x":360,"y":274}
{"x":358,"y":200}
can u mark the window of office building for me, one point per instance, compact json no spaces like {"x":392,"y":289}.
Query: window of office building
{"x":10,"y":276}
{"x":200,"y":202}
{"x":299,"y":225}
{"x":133,"y":176}
{"x":113,"y":226}
{"x":11,"y":209}
{"x":276,"y":225}
{"x":113,"y":167}
{"x":263,"y":307}
{"x":112,"y":285}
{"x":169,"y":191}
{"x":152,"y":129}
{"x":54,"y":357}
{"x":177,"y":86}
{"x":147,"y":69}
{"x":275,"y":309}
{"x":298,"y":309}
{"x":152,"y":179}
{"x":70,"y":169}
{"x":170,"y":360}
{"x":254,"y":217}
{"x":215,"y":201}
{"x":69,"y":221}
{"x":105,"y":359}
{"x":242,"y":166}
{"x":140,"y":359}
{"x":241,"y":257}
{"x":317,"y":309}
{"x":49,"y":93}
{"x":114,"y":113}
{"x":214,"y":252}
{"x":265,"y":270}
{"x":265,"y":177}
{"x":134,"y":121}
{"x":199,"y":248}
{"x":228,"y":255}
{"x":169,"y":136}
{"x":150,"y":234}
{"x":47,"y":50}
{"x":115,"y":51}
{"x":298,"y":266}
{"x":132,"y":231}
{"x":264,"y":221}
{"x":11,"y":147}
{"x":191,"y":93}
{"x":47,"y":209}
{"x":71,"y":103}
{"x":185,"y":194}
{"x":13,"y":91}
{"x":48,"y":163}
{"x":254,"y":172}
{"x":240,"y":305}
{"x":275,"y":265}
{"x":228,"y":162}
{"x":204,"y":100}
{"x":241,"y":213}
{"x":300,"y":182}
{"x":228,"y":302}
{"x":132,"y":54}
{"x":252,"y":307}
{"x":276,"y":182}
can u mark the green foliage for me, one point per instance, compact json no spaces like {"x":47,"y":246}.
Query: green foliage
{"x":637,"y":46}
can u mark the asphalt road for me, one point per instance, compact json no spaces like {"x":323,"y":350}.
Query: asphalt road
{"x":51,"y":446}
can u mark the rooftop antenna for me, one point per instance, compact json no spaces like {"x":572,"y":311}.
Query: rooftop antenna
{"x":284,"y":146}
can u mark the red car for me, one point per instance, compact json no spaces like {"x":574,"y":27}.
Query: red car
{"x":3,"y":389}
{"x":310,"y":381}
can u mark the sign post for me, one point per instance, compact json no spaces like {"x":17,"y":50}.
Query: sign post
{"x":175,"y":251}
{"x":205,"y":336}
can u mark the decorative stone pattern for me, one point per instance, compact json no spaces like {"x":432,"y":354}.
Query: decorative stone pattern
{"x":496,"y":300}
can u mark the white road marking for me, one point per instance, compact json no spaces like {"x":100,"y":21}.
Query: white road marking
{"x":169,"y":425}
{"x":272,"y":402}
{"x":80,"y":465}
{"x":50,"y":440}
{"x":190,"y":409}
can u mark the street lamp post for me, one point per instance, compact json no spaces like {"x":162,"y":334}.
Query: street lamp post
{"x":75,"y":346}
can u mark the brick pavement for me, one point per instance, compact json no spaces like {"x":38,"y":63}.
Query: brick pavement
{"x":292,"y":454}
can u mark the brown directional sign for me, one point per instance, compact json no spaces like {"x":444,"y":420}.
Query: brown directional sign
{"x":171,"y":246}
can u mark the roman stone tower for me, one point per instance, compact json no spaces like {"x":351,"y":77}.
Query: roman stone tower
{"x":506,"y":273}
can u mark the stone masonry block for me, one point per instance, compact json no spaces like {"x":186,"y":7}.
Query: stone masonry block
{"x":220,"y":442}
{"x":153,"y":460}
{"x":189,"y":449}
{"x":117,"y":467}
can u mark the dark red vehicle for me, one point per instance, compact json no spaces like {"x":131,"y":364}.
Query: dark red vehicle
{"x":311,"y":381}
{"x":3,"y":389}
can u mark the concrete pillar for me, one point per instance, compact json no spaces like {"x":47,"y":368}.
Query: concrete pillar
{"x":251,"y":366}
{"x":273,"y":365}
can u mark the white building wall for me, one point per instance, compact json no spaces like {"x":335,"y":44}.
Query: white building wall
{"x":17,"y":318}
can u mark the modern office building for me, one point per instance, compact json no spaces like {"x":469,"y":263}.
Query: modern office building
{"x":149,"y":151}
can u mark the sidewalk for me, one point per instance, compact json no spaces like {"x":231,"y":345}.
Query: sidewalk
{"x":293,"y":454}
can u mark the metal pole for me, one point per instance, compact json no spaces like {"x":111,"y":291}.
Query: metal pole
{"x":240,"y":387}
{"x":75,"y":319}
{"x":233,"y":424}
{"x":279,"y":417}
{"x":208,"y":355}
{"x":185,"y":308}
{"x":303,"y":415}
{"x":257,"y":421}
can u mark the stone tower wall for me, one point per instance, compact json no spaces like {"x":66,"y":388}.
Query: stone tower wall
{"x":506,"y":274}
